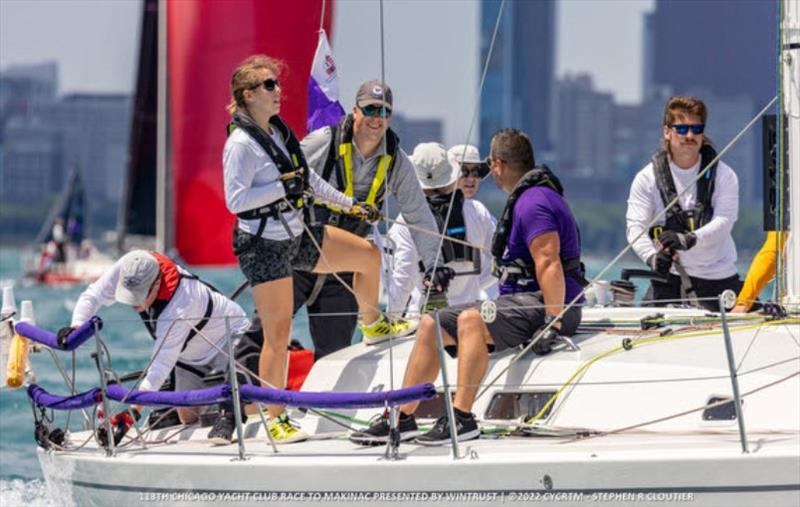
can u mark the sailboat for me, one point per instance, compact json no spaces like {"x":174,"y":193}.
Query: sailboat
{"x":674,"y":408}
{"x":65,"y":256}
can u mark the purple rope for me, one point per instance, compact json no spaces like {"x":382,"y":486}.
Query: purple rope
{"x":197,"y":397}
{"x":74,"y":340}
{"x":80,"y":400}
{"x":337,"y":400}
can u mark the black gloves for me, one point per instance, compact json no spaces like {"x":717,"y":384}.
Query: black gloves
{"x":366,"y":212}
{"x":62,"y":334}
{"x":121,"y":423}
{"x":672,"y":240}
{"x":660,"y":262}
{"x":293,"y":184}
{"x":544,"y":345}
{"x":438,"y":279}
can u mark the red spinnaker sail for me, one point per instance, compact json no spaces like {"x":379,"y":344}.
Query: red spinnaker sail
{"x":206,"y":40}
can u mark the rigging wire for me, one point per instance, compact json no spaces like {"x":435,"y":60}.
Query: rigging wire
{"x":644,"y":231}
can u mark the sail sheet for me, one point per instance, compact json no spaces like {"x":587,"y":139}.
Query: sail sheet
{"x":206,"y":40}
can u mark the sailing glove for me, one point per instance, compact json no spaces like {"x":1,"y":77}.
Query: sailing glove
{"x":366,"y":212}
{"x":120,"y":423}
{"x":439,"y":278}
{"x":672,"y":240}
{"x":293,"y":184}
{"x":544,"y":345}
{"x":660,"y":262}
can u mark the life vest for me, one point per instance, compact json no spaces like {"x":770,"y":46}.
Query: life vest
{"x":282,"y":162}
{"x":676,"y":218}
{"x":456,"y":227}
{"x":522,"y":271}
{"x":338,"y":171}
{"x":171,"y":278}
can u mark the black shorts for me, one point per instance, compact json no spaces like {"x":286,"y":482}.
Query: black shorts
{"x":518,"y":317}
{"x":264,"y":260}
{"x":704,"y":288}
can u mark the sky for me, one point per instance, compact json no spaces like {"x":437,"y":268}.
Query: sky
{"x":431,"y":48}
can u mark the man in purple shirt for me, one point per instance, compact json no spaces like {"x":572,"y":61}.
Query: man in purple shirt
{"x":537,"y":253}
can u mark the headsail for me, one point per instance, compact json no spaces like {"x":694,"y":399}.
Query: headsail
{"x":70,"y":209}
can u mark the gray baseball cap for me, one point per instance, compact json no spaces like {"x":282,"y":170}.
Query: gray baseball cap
{"x":433,"y":168}
{"x":138,"y":270}
{"x":374,"y":92}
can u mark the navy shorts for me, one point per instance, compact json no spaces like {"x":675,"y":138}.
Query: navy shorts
{"x":519,"y":316}
{"x":264,"y":260}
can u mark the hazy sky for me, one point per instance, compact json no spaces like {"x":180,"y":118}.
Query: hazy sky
{"x":431,"y":48}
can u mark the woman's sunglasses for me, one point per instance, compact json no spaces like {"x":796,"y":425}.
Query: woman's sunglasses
{"x":269,"y":85}
{"x":476,"y":170}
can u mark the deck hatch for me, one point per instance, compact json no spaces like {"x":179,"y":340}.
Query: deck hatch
{"x":515,"y":404}
{"x":724,"y":412}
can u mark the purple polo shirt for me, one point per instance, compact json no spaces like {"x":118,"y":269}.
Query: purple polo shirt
{"x":539,"y":210}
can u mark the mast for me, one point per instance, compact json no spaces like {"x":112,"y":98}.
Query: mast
{"x":790,"y":106}
{"x":164,"y":237}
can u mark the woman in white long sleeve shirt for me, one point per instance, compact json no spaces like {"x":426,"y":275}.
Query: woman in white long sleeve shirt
{"x":266,"y":185}
{"x":438,"y":175}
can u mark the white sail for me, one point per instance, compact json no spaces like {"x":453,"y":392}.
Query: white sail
{"x":791,"y":106}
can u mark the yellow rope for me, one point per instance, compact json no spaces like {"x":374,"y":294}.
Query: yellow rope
{"x":644,"y":341}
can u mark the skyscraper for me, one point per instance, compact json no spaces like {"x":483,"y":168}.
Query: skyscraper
{"x":724,"y":53}
{"x":519,"y":81}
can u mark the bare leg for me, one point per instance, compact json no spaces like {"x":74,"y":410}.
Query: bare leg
{"x":473,"y":357}
{"x":343,"y":251}
{"x":423,"y":365}
{"x":187,"y":415}
{"x":274,"y":304}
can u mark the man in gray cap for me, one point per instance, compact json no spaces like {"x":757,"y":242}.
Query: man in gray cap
{"x":361,"y":157}
{"x":467,"y":221}
{"x":185,"y":316}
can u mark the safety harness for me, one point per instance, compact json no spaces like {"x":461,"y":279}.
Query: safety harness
{"x":171,"y":277}
{"x":456,"y":228}
{"x":676,"y":218}
{"x":338,"y":170}
{"x":275,"y":210}
{"x":523,"y":271}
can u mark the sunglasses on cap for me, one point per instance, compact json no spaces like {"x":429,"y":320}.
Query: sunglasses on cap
{"x":376,"y":110}
{"x":269,"y":85}
{"x":477,"y":170}
{"x":684,"y":129}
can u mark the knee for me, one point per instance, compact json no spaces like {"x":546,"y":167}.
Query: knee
{"x":469,"y":319}
{"x":426,"y":332}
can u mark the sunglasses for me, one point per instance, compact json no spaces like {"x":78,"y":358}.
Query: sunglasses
{"x":684,"y":129}
{"x":476,"y":170}
{"x":269,"y":85}
{"x":375,"y":110}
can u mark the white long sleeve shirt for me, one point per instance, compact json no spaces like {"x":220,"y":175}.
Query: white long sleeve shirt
{"x":252,"y":180}
{"x":714,"y":255}
{"x":185,"y":309}
{"x":405,"y":287}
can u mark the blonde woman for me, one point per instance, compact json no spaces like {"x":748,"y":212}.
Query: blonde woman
{"x":267,"y":182}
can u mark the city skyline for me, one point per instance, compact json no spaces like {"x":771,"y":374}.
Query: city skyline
{"x":582,"y":45}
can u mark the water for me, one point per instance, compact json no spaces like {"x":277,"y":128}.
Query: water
{"x":20,"y":476}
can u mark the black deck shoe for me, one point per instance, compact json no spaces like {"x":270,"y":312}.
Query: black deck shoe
{"x":222,"y":432}
{"x":378,"y":431}
{"x":466,"y":429}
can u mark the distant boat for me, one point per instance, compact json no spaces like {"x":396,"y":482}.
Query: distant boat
{"x":65,"y":255}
